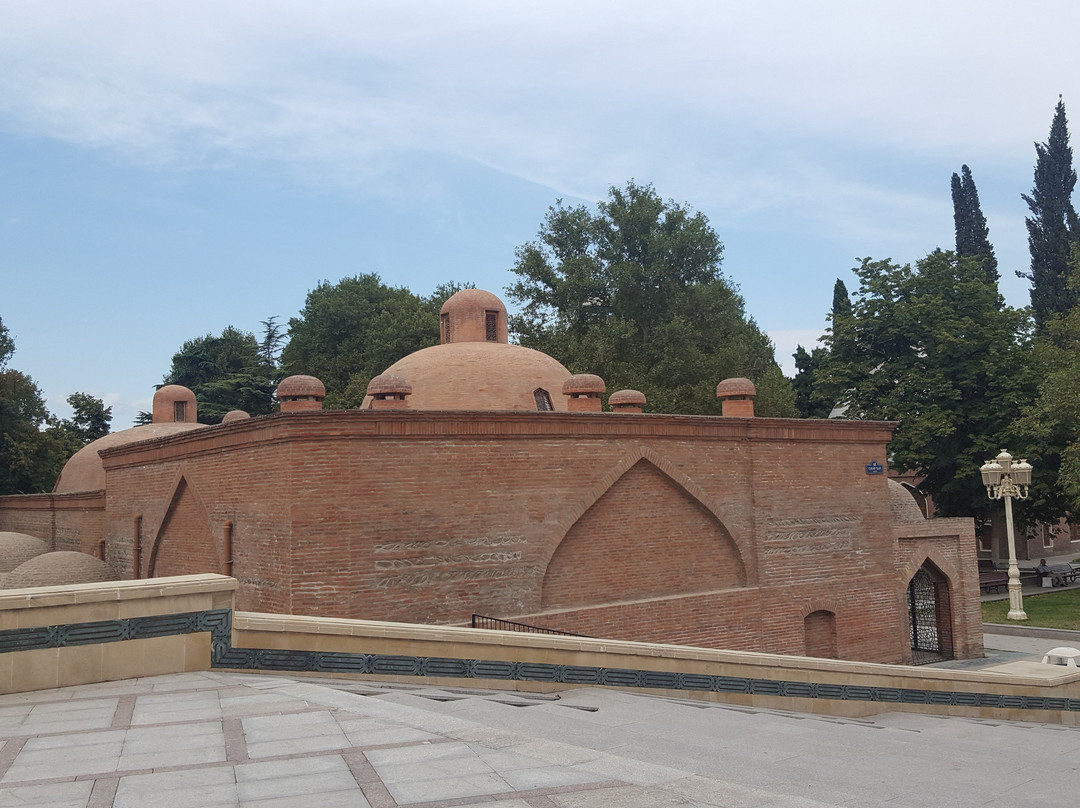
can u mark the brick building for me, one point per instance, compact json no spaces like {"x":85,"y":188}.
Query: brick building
{"x":483,"y":478}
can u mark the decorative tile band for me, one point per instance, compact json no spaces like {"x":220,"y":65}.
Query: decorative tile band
{"x":223,"y":655}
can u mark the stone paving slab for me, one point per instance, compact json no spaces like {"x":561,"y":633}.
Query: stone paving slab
{"x":220,"y":739}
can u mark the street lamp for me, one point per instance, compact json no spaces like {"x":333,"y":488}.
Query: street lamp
{"x":1005,"y":479}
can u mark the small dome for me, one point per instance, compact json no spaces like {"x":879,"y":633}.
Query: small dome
{"x":234,"y":415}
{"x":627,"y":398}
{"x":473,"y":315}
{"x":174,"y":404}
{"x":737,"y":386}
{"x":297,"y":386}
{"x":59,"y":569}
{"x":905,"y":509}
{"x":84,"y":470}
{"x":583,"y":383}
{"x":18,"y":548}
{"x":481,"y":376}
{"x":389,"y":384}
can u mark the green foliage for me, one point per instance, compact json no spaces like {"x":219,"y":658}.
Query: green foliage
{"x":634,"y":294}
{"x":935,"y":349}
{"x":809,"y":400}
{"x":1052,"y":225}
{"x":7,"y":345}
{"x":228,"y":372}
{"x":90,"y":418}
{"x":1052,"y":422}
{"x":972,"y":234}
{"x":351,"y":331}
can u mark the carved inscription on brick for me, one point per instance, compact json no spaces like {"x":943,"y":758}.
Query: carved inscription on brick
{"x":809,"y":535}
{"x":473,"y":553}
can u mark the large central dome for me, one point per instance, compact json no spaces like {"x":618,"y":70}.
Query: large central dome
{"x":475,"y":367}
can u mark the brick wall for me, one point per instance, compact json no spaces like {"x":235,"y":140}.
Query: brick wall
{"x":707,"y":531}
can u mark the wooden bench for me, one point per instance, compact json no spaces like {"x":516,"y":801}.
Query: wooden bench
{"x":992,"y":579}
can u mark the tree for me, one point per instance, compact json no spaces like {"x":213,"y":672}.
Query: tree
{"x":634,"y":293}
{"x":972,"y":234}
{"x":90,"y":418}
{"x":351,"y":331}
{"x":808,"y":399}
{"x":1052,"y":225}
{"x":1050,"y":424}
{"x":227,"y":372}
{"x":936,"y":349}
{"x":33,"y":447}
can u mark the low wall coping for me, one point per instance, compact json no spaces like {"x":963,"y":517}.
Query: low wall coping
{"x":68,"y":595}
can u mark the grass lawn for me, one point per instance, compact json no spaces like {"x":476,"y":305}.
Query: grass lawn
{"x":1050,"y":610}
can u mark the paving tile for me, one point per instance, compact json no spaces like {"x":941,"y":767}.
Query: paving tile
{"x":160,"y":708}
{"x":353,"y":798}
{"x":447,"y":788}
{"x":200,"y":788}
{"x":292,"y":734}
{"x":365,"y":732}
{"x":294,"y":778}
{"x":66,"y":756}
{"x":49,"y":795}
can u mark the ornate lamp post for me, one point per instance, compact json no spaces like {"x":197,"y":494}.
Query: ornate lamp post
{"x":1005,"y":479}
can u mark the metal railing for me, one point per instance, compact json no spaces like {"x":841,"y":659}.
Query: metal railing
{"x":497,"y":623}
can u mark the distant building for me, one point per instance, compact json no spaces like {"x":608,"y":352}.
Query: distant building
{"x":484,"y":478}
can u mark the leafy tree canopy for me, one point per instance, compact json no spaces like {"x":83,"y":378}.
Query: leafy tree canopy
{"x":349,"y":332}
{"x":1052,"y":225}
{"x":972,"y":233}
{"x":634,"y":293}
{"x":33,"y":445}
{"x":232,"y":371}
{"x":935,"y":349}
{"x":90,"y":418}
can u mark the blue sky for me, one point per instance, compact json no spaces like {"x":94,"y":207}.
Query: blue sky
{"x":173,"y":168}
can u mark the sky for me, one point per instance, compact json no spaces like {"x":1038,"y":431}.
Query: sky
{"x":169,"y":169}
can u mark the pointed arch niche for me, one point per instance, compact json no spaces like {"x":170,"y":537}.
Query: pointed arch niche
{"x":644,"y":535}
{"x":184,"y":544}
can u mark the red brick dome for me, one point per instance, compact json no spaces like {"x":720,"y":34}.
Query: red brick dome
{"x":301,"y":386}
{"x":389,"y":383}
{"x":235,"y":415}
{"x":84,"y":471}
{"x":481,"y":376}
{"x":631,"y":398}
{"x":174,"y":404}
{"x":737,"y":386}
{"x":583,"y":383}
{"x":473,"y":315}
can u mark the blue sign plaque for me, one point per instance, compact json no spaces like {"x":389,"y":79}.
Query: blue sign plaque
{"x":874,"y":467}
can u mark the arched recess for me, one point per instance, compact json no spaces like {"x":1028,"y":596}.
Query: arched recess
{"x":929,"y":612}
{"x":184,"y":543}
{"x":645,"y":534}
{"x":819,"y":634}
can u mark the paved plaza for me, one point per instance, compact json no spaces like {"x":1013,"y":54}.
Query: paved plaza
{"x":224,"y":739}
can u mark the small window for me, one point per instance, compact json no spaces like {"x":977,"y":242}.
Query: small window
{"x":444,"y":319}
{"x":491,"y":326}
{"x":179,"y":409}
{"x":543,"y":400}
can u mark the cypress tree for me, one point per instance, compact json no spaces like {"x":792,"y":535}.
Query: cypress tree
{"x":972,"y":234}
{"x":1052,"y":224}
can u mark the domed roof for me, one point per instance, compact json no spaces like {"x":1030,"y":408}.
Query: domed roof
{"x":389,"y":383}
{"x":84,"y":471}
{"x":905,"y":509}
{"x":633,"y":398}
{"x":736,"y":386}
{"x":480,"y":376}
{"x":583,"y":383}
{"x":471,"y":300}
{"x":174,"y":403}
{"x":300,"y":386}
{"x":234,"y":415}
{"x":18,"y":548}
{"x":59,"y":569}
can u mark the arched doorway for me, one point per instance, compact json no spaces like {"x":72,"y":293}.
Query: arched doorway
{"x":929,"y":616}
